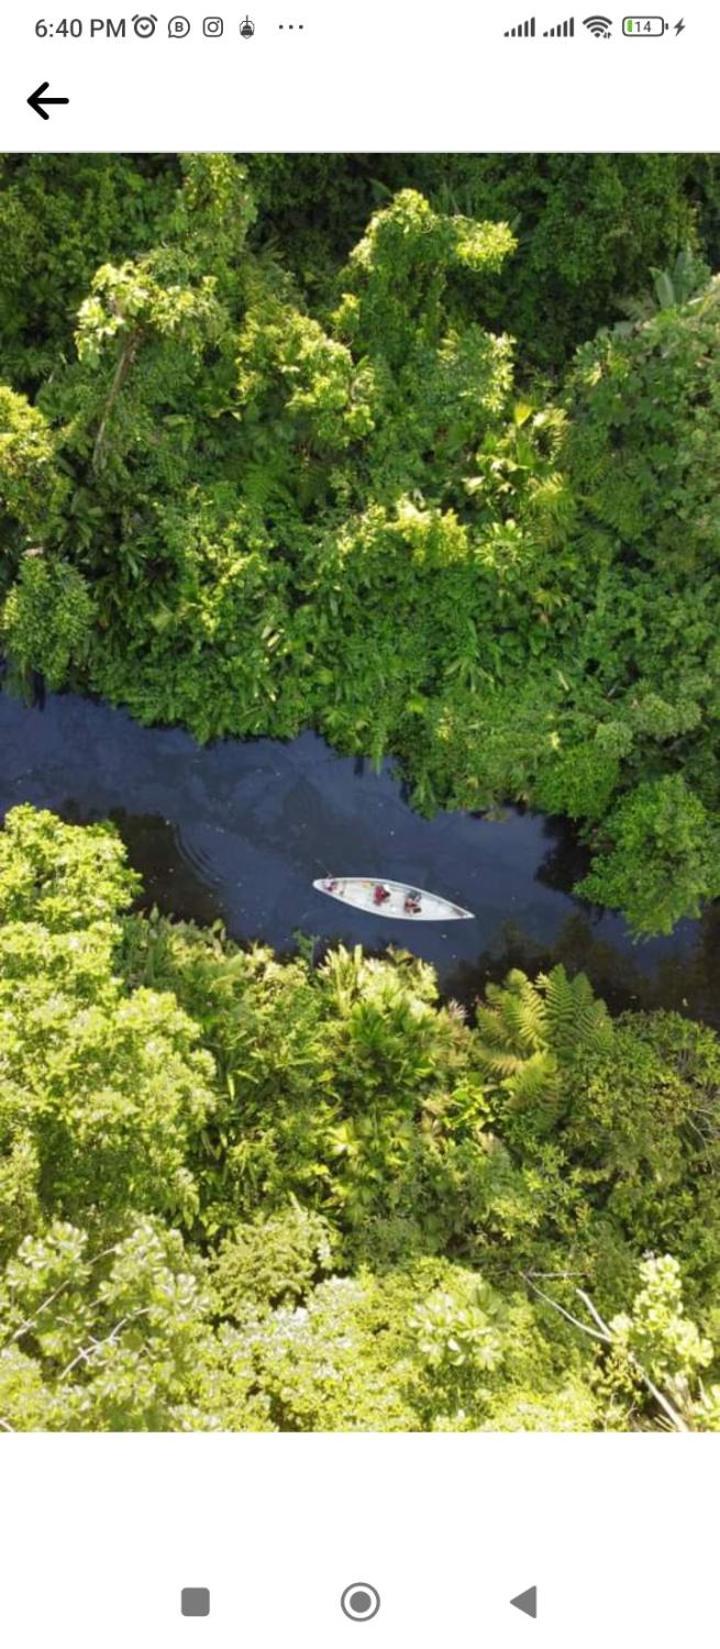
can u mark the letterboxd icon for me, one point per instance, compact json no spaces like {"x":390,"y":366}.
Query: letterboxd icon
{"x":213,"y":27}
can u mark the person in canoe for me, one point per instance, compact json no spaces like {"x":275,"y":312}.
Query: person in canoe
{"x":413,"y":903}
{"x":381,"y":894}
{"x":331,"y":884}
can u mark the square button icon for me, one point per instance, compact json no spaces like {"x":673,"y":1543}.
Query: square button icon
{"x":213,"y":27}
{"x":195,"y":1600}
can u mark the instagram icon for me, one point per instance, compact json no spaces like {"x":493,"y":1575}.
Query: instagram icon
{"x":213,"y":27}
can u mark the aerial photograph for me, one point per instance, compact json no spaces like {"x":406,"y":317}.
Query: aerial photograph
{"x":360,"y":793}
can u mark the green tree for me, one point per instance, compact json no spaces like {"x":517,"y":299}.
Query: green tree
{"x":110,"y":1340}
{"x":101,"y":1091}
{"x":47,"y":619}
{"x":32,"y":491}
{"x":664,"y":857}
{"x":61,"y":216}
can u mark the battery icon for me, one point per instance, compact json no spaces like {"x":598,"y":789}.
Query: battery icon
{"x":646,"y":28}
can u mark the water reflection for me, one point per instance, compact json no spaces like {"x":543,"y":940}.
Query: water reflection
{"x":686,"y":979}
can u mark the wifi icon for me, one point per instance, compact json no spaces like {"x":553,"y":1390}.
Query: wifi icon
{"x":601,"y":27}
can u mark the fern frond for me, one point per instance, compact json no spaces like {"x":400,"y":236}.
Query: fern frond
{"x":576,"y":1019}
{"x":536,"y":1086}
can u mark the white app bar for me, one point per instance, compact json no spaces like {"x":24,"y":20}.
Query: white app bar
{"x":315,"y":75}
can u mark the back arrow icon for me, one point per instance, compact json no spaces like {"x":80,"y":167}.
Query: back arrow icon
{"x":527,"y":1602}
{"x":38,"y":100}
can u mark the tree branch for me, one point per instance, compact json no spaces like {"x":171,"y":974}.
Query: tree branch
{"x":605,"y":1335}
{"x":127,"y":356}
{"x":84,"y":1355}
{"x":30,"y":1322}
{"x":606,"y":1339}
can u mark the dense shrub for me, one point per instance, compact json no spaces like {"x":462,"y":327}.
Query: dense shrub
{"x":61,"y":216}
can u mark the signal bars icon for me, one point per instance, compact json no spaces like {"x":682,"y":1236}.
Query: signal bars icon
{"x":562,"y":31}
{"x":528,"y":29}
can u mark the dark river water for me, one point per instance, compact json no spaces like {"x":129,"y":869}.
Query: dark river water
{"x":239,"y":830}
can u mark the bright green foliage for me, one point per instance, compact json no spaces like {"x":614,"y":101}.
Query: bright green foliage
{"x":578,"y":781}
{"x":273,"y":1261}
{"x":664,"y":861}
{"x":250,"y":1194}
{"x":100,"y":1092}
{"x":153,"y":322}
{"x":104,"y":1094}
{"x":656,"y":1339}
{"x":289,"y":368}
{"x":345,"y":1086}
{"x":59,"y":877}
{"x":641,"y":1128}
{"x":31,"y":490}
{"x":431,"y":1348}
{"x":109,"y":1340}
{"x":60,"y":217}
{"x":47,"y":619}
{"x":530,"y":1036}
{"x":644,"y":442}
{"x":657,"y":1332}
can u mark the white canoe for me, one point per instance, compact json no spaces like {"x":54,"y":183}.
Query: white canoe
{"x":359,"y":891}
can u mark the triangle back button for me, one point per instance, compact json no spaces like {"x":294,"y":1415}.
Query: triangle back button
{"x":527,"y":1602}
